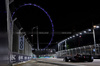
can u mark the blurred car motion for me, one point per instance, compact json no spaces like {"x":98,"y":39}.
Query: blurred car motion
{"x":79,"y":58}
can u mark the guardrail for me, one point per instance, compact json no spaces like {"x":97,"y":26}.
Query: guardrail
{"x":82,"y":50}
{"x":16,"y":58}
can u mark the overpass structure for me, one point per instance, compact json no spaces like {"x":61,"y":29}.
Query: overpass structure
{"x":89,"y":49}
{"x":84,"y":48}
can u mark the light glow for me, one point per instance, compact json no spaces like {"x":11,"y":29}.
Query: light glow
{"x":76,"y":34}
{"x":89,"y":29}
{"x":84,"y":31}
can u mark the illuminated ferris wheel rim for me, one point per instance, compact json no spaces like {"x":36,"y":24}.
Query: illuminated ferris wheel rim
{"x":45,"y":13}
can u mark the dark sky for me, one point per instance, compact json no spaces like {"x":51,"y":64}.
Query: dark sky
{"x":66,"y":17}
{"x":2,"y":16}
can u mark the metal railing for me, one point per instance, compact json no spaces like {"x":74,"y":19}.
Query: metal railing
{"x":82,"y":50}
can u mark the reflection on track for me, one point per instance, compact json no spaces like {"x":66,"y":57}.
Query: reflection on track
{"x":57,"y":64}
{"x":60,"y":62}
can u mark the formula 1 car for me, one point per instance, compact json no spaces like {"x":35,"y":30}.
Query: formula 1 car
{"x":79,"y":58}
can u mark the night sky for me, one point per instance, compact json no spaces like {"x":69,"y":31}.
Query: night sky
{"x":66,"y":17}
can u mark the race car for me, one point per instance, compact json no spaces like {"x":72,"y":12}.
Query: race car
{"x":79,"y":58}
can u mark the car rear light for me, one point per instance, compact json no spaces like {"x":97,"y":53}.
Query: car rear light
{"x":84,"y":56}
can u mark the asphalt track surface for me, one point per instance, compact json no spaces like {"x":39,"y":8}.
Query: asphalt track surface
{"x":57,"y":62}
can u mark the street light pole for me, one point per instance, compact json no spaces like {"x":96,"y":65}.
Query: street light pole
{"x":58,"y":47}
{"x":24,"y":40}
{"x":32,"y":34}
{"x":37,"y":37}
{"x":94,"y":38}
{"x":65,"y":45}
